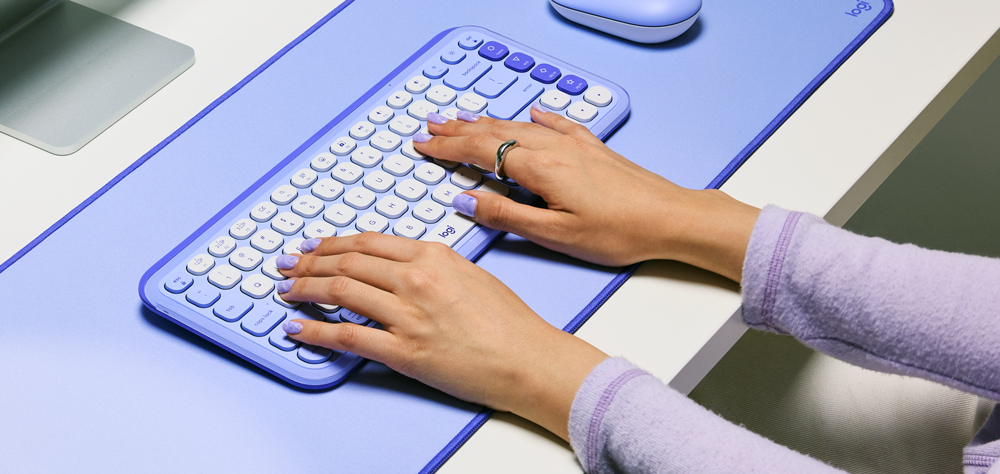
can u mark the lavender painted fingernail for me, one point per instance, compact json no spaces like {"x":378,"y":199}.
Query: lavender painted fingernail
{"x":422,"y":137}
{"x":291,"y":327}
{"x":538,"y":108}
{"x":284,"y":285}
{"x":465,"y":204}
{"x":309,"y":245}
{"x":286,"y":262}
{"x":436,"y":118}
{"x":466,"y":116}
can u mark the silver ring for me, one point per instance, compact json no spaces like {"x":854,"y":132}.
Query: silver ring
{"x":505,"y":148}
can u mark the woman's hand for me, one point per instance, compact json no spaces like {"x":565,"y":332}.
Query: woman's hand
{"x":447,"y":323}
{"x":601,"y":207}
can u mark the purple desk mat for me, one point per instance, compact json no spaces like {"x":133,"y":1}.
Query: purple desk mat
{"x":92,"y":381}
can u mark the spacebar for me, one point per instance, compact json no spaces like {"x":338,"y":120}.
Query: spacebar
{"x":450,"y":230}
{"x":514,"y":100}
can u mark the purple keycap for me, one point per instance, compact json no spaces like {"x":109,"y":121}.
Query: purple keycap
{"x":281,"y":340}
{"x":470,"y":41}
{"x":452,"y":56}
{"x":203,"y":295}
{"x":545,"y":73}
{"x":349,"y":316}
{"x":314,"y":354}
{"x":263,"y":319}
{"x":435,"y":70}
{"x":493,"y":51}
{"x":519,"y":62}
{"x":572,"y":85}
{"x":232,"y":307}
{"x":178,"y":281}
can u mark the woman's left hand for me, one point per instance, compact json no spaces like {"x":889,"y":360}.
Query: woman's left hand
{"x":447,"y":323}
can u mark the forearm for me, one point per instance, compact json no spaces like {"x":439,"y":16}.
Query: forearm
{"x":879,"y":305}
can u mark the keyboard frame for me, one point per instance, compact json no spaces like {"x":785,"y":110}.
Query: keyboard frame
{"x":471,"y":246}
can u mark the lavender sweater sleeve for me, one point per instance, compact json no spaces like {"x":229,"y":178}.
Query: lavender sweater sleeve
{"x":888,"y":307}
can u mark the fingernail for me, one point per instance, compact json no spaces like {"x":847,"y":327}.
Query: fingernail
{"x":422,"y":137}
{"x":538,"y":108}
{"x":284,"y":285}
{"x":292,"y":327}
{"x":309,"y":245}
{"x":436,"y":118}
{"x":465,"y":204}
{"x":466,"y":116}
{"x":286,"y":262}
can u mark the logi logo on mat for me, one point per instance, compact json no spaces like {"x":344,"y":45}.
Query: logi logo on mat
{"x":858,"y":10}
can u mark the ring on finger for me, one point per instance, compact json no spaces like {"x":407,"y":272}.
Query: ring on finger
{"x":505,"y":148}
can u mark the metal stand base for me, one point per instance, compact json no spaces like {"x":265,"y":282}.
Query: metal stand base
{"x":71,"y":72}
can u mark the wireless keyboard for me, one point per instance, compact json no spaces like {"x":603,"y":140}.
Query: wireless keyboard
{"x":360,"y":173}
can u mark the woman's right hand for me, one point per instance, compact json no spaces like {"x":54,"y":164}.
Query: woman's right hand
{"x":601,"y":207}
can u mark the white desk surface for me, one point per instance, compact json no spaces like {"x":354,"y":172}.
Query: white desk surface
{"x":827,"y":159}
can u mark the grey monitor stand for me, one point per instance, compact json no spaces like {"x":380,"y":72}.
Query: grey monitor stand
{"x":68,"y":73}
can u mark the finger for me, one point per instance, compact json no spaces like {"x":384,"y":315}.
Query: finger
{"x":389,"y":247}
{"x":561,"y":124}
{"x":359,"y":297}
{"x":477,"y":149}
{"x":440,"y":125}
{"x":375,"y":271}
{"x":370,"y":343}
{"x":498,"y":212}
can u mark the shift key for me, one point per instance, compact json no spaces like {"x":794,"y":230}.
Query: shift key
{"x":512,"y":102}
{"x":450,"y":230}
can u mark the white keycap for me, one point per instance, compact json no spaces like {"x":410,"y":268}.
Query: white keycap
{"x":257,"y":285}
{"x":362,"y":130}
{"x":391,"y":207}
{"x":288,"y":304}
{"x":445,"y":193}
{"x":411,"y":152}
{"x":339,"y":215}
{"x":480,"y":168}
{"x":366,"y":156}
{"x":342,"y":146}
{"x":308,"y":206}
{"x":429,"y":173}
{"x":318,"y":230}
{"x":294,"y":246}
{"x":451,"y":113}
{"x":397,"y":165}
{"x":379,"y":181}
{"x":202,"y":263}
{"x":428,"y":211}
{"x":303,"y":178}
{"x":270,"y":268}
{"x":222,"y":246}
{"x":598,"y":96}
{"x":418,"y":84}
{"x":450,"y":230}
{"x":555,"y":99}
{"x":386,"y":141}
{"x":287,"y":223}
{"x":284,"y":194}
{"x":246,"y":258}
{"x":326,"y":308}
{"x":411,"y":190}
{"x":447,"y":164}
{"x":372,"y":222}
{"x":441,"y":95}
{"x":225,"y":277}
{"x":420,"y":108}
{"x":399,"y":99}
{"x":267,"y":240}
{"x":495,"y":187}
{"x":359,"y":198}
{"x":263,"y":211}
{"x":327,"y":189}
{"x":404,"y":125}
{"x":347,"y":173}
{"x":471,"y":102}
{"x":582,"y":111}
{"x":380,"y":115}
{"x":242,"y":229}
{"x":409,"y":227}
{"x":466,"y":178}
{"x":323,"y":162}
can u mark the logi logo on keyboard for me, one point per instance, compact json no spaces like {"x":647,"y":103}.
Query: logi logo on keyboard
{"x":858,"y":10}
{"x":447,"y":231}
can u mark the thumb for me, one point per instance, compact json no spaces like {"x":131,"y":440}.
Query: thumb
{"x":502,"y":213}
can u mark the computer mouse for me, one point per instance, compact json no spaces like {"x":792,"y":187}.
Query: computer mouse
{"x":642,"y":21}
